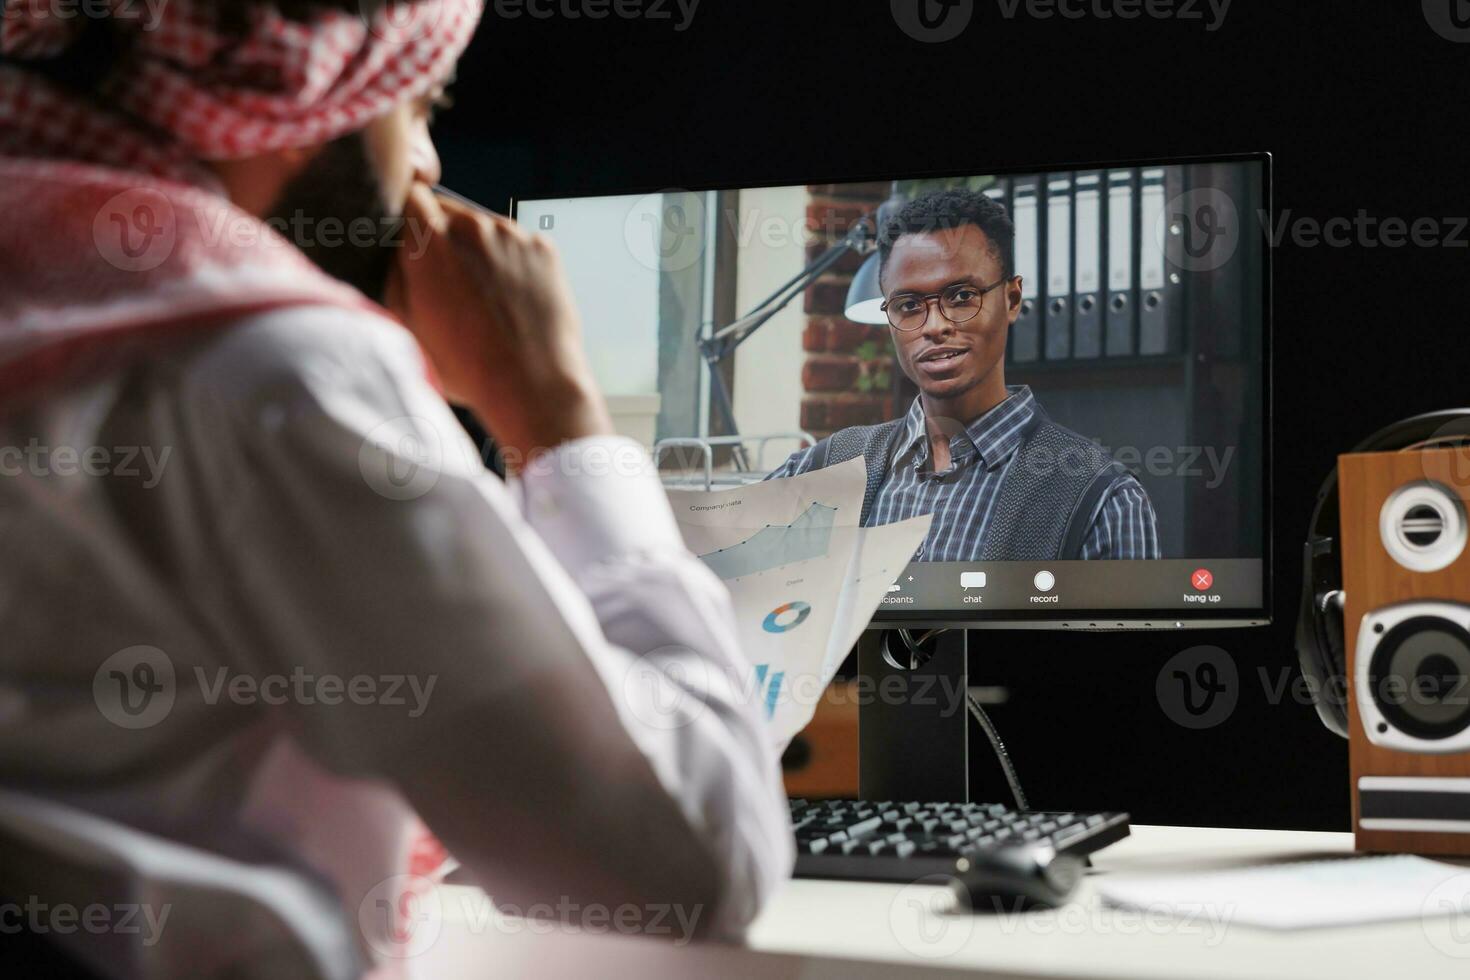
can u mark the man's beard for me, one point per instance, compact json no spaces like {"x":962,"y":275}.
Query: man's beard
{"x":338,"y":198}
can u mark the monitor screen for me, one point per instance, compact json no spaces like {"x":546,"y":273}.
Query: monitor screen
{"x":1067,"y":367}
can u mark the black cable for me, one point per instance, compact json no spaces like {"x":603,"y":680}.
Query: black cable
{"x":917,"y":659}
{"x":1001,"y":754}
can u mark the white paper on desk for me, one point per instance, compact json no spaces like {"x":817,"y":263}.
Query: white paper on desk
{"x":804,"y":576}
{"x":1304,"y":895}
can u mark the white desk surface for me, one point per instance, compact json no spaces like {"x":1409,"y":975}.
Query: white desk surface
{"x":859,"y":930}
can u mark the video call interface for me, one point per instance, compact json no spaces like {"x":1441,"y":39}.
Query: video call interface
{"x":1085,"y":346}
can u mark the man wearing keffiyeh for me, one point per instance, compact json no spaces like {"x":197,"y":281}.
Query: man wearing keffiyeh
{"x":217,"y":656}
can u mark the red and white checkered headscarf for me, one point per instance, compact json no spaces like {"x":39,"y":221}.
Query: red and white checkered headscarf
{"x":86,"y":181}
{"x":221,"y":93}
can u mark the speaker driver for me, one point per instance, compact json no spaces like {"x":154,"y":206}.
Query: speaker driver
{"x":1421,"y":677}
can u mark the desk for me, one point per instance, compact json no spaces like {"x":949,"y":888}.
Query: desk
{"x":815,"y":929}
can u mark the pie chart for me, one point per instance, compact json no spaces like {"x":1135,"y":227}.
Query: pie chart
{"x":786,"y":617}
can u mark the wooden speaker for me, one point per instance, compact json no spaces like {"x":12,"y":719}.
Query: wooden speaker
{"x":1406,"y":576}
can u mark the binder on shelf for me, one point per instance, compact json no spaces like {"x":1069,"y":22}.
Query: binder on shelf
{"x":1122,"y":260}
{"x":1158,"y":285}
{"x":1087,"y":274}
{"x":1058,"y":344}
{"x":1025,"y":342}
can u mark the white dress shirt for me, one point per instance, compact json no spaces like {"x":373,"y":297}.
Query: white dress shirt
{"x":352,"y":608}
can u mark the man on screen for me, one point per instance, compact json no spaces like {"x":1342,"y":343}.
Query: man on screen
{"x":1003,"y":481}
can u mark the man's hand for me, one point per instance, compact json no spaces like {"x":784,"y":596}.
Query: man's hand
{"x":490,"y":304}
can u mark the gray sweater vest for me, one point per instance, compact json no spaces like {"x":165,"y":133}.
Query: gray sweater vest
{"x":1048,"y":499}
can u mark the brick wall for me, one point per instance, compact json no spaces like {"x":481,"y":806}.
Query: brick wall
{"x":847,"y":375}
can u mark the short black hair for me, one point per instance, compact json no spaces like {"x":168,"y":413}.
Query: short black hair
{"x":943,"y":210}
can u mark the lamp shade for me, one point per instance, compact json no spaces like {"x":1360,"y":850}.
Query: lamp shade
{"x":864,"y":297}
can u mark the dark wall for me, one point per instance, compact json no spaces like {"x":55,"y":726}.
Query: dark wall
{"x":1359,"y":106}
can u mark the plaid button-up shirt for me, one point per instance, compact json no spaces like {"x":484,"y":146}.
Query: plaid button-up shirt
{"x":963,"y":497}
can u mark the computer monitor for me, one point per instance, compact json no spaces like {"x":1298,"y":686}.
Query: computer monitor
{"x":1092,"y":341}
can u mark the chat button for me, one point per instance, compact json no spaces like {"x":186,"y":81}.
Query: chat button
{"x":972,"y":580}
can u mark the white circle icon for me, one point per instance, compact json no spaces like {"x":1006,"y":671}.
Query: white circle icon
{"x":1044,"y":581}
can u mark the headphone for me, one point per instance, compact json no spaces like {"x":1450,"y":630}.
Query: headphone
{"x":1321,"y":639}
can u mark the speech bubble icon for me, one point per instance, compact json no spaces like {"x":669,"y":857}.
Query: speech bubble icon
{"x":972,"y":580}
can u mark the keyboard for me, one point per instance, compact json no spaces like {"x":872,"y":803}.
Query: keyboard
{"x":886,"y":841}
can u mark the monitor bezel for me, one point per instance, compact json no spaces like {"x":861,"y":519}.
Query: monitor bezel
{"x":1080,"y":620}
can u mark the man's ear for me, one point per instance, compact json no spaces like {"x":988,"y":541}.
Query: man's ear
{"x":254,"y":184}
{"x":1014,"y":293}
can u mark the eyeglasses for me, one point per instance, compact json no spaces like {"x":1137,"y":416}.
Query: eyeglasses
{"x":958,"y":302}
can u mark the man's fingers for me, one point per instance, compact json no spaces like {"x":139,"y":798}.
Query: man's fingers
{"x":425,"y":207}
